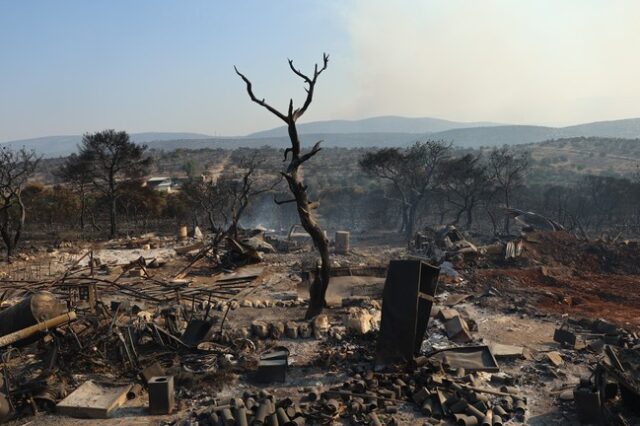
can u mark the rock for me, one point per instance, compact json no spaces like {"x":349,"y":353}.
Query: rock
{"x":321,"y":326}
{"x":337,"y":332}
{"x":304,"y":331}
{"x":555,"y":358}
{"x":291,"y":330}
{"x":246,"y":304}
{"x":260,"y":329}
{"x":358,"y":320}
{"x":277,"y":330}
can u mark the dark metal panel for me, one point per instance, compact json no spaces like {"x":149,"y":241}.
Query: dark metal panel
{"x":406,"y":306}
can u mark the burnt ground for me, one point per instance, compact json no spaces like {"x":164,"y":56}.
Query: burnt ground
{"x":518,"y":302}
{"x":563,"y":275}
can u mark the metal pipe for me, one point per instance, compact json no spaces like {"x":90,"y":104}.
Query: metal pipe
{"x":30,"y":331}
{"x":488,"y":419}
{"x":227,"y":417}
{"x":374,"y":420}
{"x":29,"y":311}
{"x":134,"y":392}
{"x":241,"y":416}
{"x":464,"y":420}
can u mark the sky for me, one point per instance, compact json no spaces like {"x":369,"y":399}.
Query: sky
{"x":76,"y":66}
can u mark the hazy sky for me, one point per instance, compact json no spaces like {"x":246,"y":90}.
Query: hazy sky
{"x":68,"y":67}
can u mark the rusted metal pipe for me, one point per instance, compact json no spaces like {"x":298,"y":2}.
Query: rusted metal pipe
{"x":31,"y":310}
{"x":16,"y":336}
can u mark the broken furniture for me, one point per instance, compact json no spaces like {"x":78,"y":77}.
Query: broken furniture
{"x":408,"y":296}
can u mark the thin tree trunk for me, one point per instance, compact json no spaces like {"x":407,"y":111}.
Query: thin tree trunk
{"x":411,"y":221}
{"x":83,"y":207}
{"x":5,"y":231}
{"x":506,"y":217}
{"x":112,"y":218}
{"x":20,"y":224}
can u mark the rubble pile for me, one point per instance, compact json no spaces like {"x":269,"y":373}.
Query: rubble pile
{"x":493,"y":334}
{"x":562,"y":249}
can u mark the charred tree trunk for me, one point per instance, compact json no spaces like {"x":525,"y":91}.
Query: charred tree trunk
{"x":411,"y":222}
{"x":507,"y":203}
{"x":112,"y":217}
{"x":5,"y":229}
{"x":469,"y":217}
{"x":296,"y":184}
{"x":305,"y":208}
{"x":21,"y":219}
{"x":83,"y":208}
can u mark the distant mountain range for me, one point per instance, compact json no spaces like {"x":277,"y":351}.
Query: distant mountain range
{"x":386,"y":124}
{"x":53,"y":146}
{"x":370,"y":132}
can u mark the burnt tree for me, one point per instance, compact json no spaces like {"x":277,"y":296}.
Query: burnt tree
{"x":113,"y":159}
{"x":16,"y":167}
{"x":224,"y":201}
{"x":295,"y":181}
{"x":507,"y":169}
{"x":466,"y":185}
{"x":410,"y":172}
{"x":76,"y":172}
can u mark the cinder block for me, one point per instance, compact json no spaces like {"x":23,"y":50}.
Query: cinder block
{"x":161,"y":395}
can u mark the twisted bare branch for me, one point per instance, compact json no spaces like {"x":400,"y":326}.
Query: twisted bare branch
{"x":260,"y":102}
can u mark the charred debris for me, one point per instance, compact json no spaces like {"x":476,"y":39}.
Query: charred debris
{"x":177,"y":331}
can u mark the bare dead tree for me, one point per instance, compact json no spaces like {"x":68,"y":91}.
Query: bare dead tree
{"x":507,"y":169}
{"x":295,"y":181}
{"x":243,"y":190}
{"x":16,"y":167}
{"x":225,"y":200}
